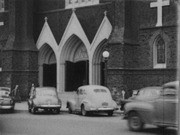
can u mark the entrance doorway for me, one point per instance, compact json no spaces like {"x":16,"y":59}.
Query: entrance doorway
{"x":77,"y":74}
{"x":49,"y":75}
{"x":102,"y":73}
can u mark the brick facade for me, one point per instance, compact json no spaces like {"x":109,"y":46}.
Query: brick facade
{"x":130,"y":65}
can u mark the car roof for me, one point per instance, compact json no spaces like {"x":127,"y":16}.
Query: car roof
{"x":89,"y":87}
{"x":173,"y":84}
{"x":151,"y":88}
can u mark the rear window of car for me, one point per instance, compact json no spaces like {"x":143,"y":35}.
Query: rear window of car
{"x":149,"y":93}
{"x":169,"y":92}
{"x":100,"y":91}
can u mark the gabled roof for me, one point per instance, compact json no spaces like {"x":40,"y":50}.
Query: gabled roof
{"x":90,"y":19}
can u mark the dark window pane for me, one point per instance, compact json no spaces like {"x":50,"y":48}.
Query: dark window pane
{"x":160,"y":51}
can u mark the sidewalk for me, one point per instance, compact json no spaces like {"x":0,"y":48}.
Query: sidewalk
{"x":24,"y":107}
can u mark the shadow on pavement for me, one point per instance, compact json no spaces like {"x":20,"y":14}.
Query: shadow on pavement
{"x":161,"y":131}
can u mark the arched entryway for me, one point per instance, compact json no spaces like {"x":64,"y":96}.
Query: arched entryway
{"x":74,"y":64}
{"x":98,"y":65}
{"x":77,"y":74}
{"x":47,"y":66}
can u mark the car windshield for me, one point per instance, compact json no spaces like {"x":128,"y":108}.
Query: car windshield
{"x":4,"y":93}
{"x":149,"y":93}
{"x":169,"y":92}
{"x":45,"y":93}
{"x":100,"y":91}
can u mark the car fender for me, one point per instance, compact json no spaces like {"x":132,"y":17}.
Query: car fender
{"x":144,"y":109}
{"x":71,"y":103}
{"x":86,"y":103}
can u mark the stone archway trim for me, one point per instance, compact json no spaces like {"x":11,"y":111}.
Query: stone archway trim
{"x":46,"y":36}
{"x":74,"y":28}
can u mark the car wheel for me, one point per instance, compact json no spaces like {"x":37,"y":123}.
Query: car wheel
{"x":162,"y":127}
{"x":34,"y":110}
{"x":83,"y":111}
{"x":12,"y":110}
{"x":58,"y":111}
{"x":134,"y":122}
{"x":110,"y":113}
{"x":69,"y":110}
{"x":29,"y":109}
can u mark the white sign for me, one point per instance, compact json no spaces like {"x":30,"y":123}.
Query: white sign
{"x":0,"y":69}
{"x":1,"y":23}
{"x":159,"y":4}
{"x":80,"y":3}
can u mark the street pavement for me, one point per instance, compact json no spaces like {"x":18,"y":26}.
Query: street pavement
{"x":23,"y":123}
{"x":42,"y":123}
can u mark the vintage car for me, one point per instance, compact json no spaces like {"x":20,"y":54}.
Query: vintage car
{"x":155,"y":105}
{"x":45,"y":98}
{"x":92,"y":98}
{"x":6,"y":100}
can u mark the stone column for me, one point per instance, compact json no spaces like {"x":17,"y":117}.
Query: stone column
{"x":20,"y":56}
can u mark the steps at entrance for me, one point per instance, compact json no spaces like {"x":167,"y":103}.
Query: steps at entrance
{"x":64,"y":96}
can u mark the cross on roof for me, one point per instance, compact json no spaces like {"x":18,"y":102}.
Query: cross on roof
{"x":159,"y":4}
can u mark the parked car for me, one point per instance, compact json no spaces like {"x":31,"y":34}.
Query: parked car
{"x":92,"y":98}
{"x":156,"y":106}
{"x":45,"y":98}
{"x":6,"y":100}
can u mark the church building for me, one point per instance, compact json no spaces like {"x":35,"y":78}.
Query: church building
{"x":60,"y":43}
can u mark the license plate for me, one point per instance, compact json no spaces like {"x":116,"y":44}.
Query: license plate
{"x":104,"y":104}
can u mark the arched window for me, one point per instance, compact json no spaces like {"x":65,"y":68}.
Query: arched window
{"x":1,"y":5}
{"x":159,"y":53}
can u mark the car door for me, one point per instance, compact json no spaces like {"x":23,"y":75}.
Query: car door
{"x":165,"y":109}
{"x":170,"y":106}
{"x":158,"y":111}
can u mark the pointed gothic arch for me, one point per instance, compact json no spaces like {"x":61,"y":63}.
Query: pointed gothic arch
{"x":75,"y":47}
{"x":97,"y":63}
{"x":73,"y":54}
{"x":159,"y":35}
{"x":47,"y":66}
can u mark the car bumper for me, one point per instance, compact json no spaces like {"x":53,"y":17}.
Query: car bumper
{"x":6,"y":107}
{"x":102,"y":109}
{"x":48,"y":106}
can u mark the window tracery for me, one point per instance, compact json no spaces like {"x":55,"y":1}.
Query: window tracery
{"x":159,"y":53}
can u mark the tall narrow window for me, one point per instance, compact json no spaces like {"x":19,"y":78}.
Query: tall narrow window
{"x":159,"y":53}
{"x":1,"y":5}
